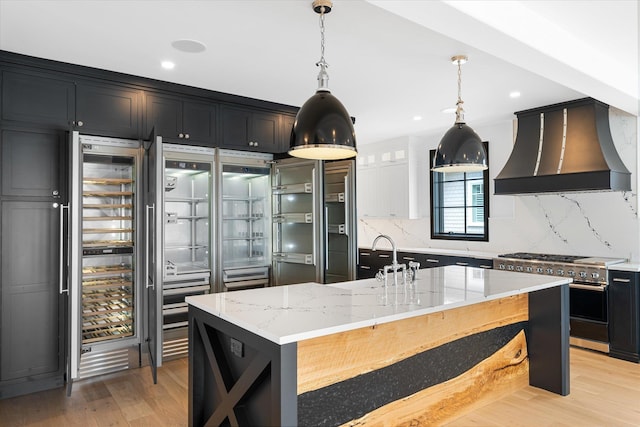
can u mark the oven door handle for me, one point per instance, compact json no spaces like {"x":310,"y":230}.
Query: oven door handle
{"x":596,"y":288}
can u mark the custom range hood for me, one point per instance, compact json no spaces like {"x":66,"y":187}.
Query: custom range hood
{"x":564,"y":147}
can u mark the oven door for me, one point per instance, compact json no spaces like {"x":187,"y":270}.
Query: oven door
{"x":588,"y":314}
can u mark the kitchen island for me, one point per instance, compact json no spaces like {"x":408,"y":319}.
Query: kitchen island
{"x":359,"y":352}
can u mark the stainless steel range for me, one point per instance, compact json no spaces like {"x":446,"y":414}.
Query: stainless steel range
{"x":588,"y":293}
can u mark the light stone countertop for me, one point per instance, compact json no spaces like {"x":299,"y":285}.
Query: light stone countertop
{"x":436,"y":251}
{"x":285,"y":314}
{"x":625,"y":266}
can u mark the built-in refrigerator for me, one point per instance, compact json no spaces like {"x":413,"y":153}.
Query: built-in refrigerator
{"x":314,"y":221}
{"x":340,"y":221}
{"x":244,"y":225}
{"x":179,"y":218}
{"x":104,"y":231}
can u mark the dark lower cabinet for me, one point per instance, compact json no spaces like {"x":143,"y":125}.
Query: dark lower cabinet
{"x":370,"y":262}
{"x":31,"y":342}
{"x":624,"y":315}
{"x":32,"y":311}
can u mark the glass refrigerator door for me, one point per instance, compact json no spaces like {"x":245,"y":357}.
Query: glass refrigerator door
{"x":187,"y":244}
{"x":245,"y":216}
{"x":108,"y":190}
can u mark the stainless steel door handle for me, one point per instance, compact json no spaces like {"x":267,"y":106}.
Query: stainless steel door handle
{"x":148,"y":208}
{"x":63,"y":290}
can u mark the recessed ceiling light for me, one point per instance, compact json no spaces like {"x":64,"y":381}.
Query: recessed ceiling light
{"x":190,"y":46}
{"x":168,"y":65}
{"x":449,"y":110}
{"x":514,"y":94}
{"x":417,"y":118}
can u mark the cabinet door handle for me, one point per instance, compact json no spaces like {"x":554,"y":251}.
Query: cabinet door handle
{"x":186,"y":136}
{"x":180,"y":135}
{"x":464,"y":264}
{"x":435,"y":261}
{"x":365,"y":267}
{"x":618,"y":279}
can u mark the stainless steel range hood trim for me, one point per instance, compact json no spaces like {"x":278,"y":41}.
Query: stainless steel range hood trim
{"x":578,"y":152}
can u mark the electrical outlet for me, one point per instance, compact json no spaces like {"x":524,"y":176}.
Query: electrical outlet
{"x":237,"y":348}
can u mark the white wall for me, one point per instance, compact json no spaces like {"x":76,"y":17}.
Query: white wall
{"x":588,"y":223}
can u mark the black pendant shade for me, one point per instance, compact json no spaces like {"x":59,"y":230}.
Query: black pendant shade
{"x":323,"y":129}
{"x":460,"y":150}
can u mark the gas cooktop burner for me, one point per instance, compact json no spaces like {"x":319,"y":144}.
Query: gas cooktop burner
{"x":542,"y":257}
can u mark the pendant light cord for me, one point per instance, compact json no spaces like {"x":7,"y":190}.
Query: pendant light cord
{"x":459,"y":109}
{"x":323,"y":77}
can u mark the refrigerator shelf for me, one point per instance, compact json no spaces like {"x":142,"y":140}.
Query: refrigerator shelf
{"x":106,"y":230}
{"x":98,"y":310}
{"x":189,"y":217}
{"x":110,"y":333}
{"x":107,"y":218}
{"x":89,"y":327}
{"x":109,"y":283}
{"x":183,"y":247}
{"x":92,"y":193}
{"x":336,"y":228}
{"x":107,"y":181}
{"x":106,"y":243}
{"x":294,"y":258}
{"x":244,"y":238}
{"x":186,"y":199}
{"x":107,"y":206}
{"x":296,"y":218}
{"x":243,"y":218}
{"x":305,"y":187}
{"x":106,"y":269}
{"x":178,"y":268}
{"x":242,"y":199}
{"x":334,"y":198}
{"x":99,"y":298}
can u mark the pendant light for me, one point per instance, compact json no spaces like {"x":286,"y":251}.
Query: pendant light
{"x":323,"y":129}
{"x":460,"y":149}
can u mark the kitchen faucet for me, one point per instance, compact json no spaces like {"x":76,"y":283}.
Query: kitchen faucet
{"x":394,"y":263}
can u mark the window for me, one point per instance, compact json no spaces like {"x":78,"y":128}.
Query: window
{"x":460,"y":204}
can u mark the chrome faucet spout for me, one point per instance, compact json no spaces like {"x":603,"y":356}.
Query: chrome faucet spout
{"x":394,"y":267}
{"x":393,"y":246}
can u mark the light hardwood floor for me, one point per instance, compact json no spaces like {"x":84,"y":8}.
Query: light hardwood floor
{"x":604,"y":392}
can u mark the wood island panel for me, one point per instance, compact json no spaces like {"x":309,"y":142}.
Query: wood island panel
{"x":326,"y":360}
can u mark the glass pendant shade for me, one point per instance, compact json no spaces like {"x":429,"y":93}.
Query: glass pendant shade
{"x":323,"y":129}
{"x":460,"y":150}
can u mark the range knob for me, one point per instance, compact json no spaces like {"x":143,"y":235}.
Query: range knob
{"x":529,"y":269}
{"x":571,"y":273}
{"x":539,"y":270}
{"x":583,"y":274}
{"x":510,"y":268}
{"x":501,"y":266}
{"x":595,"y":275}
{"x":560,"y":272}
{"x":519,"y":268}
{"x":549,"y":270}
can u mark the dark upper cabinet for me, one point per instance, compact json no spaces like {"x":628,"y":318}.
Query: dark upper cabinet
{"x":181,"y":121}
{"x":38,"y":99}
{"x":33,"y":163}
{"x":287,"y":127}
{"x":108,"y":110}
{"x":246,"y":129}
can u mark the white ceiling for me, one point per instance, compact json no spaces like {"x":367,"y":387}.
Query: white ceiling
{"x":389,"y":60}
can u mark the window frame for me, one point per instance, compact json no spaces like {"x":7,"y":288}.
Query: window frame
{"x":436,"y":217}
